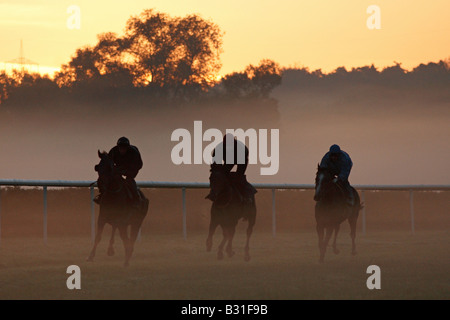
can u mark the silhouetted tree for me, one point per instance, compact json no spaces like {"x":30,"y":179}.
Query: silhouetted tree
{"x":364,"y":74}
{"x":112,"y":61}
{"x":431,"y":73}
{"x":82,"y":69}
{"x":7,"y":83}
{"x":23,"y":88}
{"x":170,"y":51}
{"x":265,"y":76}
{"x":160,"y":57}
{"x":237,"y":84}
{"x":255,"y":81}
{"x":198,"y":56}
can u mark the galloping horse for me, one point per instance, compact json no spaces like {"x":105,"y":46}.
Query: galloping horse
{"x":226,"y":210}
{"x":332,"y":209}
{"x":116,"y":208}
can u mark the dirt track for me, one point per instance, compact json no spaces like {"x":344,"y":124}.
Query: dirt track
{"x":168,"y":267}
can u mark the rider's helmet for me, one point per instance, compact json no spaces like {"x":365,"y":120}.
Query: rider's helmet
{"x":123,"y":142}
{"x":335,"y":149}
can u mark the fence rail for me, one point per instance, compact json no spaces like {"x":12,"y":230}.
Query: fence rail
{"x":45,"y":184}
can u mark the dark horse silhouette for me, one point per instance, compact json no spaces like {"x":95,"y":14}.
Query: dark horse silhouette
{"x":226,"y":210}
{"x":332,"y":209}
{"x":116,"y":208}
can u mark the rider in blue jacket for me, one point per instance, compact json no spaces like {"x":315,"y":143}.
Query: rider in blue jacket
{"x":340,"y":164}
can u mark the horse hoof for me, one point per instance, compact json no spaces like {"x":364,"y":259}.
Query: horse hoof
{"x":336,"y":250}
{"x":354,"y":253}
{"x":220,"y":255}
{"x":208,"y":247}
{"x":321,"y":260}
{"x":126,"y":264}
{"x":111,"y":251}
{"x":90,"y":259}
{"x":247,"y":258}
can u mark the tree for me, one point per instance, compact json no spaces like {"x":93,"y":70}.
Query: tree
{"x":150,"y":43}
{"x":26,"y":88}
{"x":7,"y":83}
{"x":198,"y":55}
{"x":265,"y":76}
{"x":255,"y":81}
{"x":82,"y":69}
{"x":168,"y":51}
{"x":237,"y":85}
{"x":103,"y":65}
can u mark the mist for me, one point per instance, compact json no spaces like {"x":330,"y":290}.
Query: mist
{"x":393,"y":136}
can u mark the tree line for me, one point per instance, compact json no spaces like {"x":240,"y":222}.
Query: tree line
{"x":161,"y":58}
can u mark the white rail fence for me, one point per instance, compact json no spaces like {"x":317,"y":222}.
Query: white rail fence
{"x":45,"y":184}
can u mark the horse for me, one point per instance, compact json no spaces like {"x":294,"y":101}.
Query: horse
{"x":116,"y":209}
{"x":226,"y":211}
{"x":332,"y":209}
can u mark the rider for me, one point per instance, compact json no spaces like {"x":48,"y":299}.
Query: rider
{"x":219,"y":162}
{"x":127,"y":161}
{"x":340,"y":165}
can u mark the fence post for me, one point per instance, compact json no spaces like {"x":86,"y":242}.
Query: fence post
{"x":363,"y":213}
{"x":411,"y":210}
{"x":92,"y":214}
{"x":274,"y":217}
{"x":45,"y":214}
{"x":183,"y":196}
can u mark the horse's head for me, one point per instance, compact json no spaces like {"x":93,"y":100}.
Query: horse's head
{"x":105,"y":167}
{"x":323,"y":179}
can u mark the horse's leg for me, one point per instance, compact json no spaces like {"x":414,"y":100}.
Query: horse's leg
{"x":111,"y":242}
{"x":222,"y":244}
{"x":212,"y":228}
{"x":251,"y":223}
{"x":126,"y":244}
{"x":135,"y":226}
{"x":336,"y":231}
{"x":320,"y":232}
{"x":101,"y":224}
{"x":247,"y":243}
{"x":352,"y":221}
{"x":231,"y":233}
{"x":328,"y":234}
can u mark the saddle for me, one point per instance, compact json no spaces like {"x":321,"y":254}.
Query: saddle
{"x":244,"y":190}
{"x":349,"y":196}
{"x":138,"y":203}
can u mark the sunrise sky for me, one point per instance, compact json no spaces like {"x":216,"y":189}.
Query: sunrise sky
{"x":313,"y":34}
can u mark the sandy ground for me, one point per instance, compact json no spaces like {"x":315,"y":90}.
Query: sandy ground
{"x":286,"y":267}
{"x":165,"y":266}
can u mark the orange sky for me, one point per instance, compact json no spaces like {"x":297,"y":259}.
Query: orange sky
{"x":315,"y":34}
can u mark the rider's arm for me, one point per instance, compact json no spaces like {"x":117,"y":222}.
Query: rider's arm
{"x":345,"y":170}
{"x":324,"y":161}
